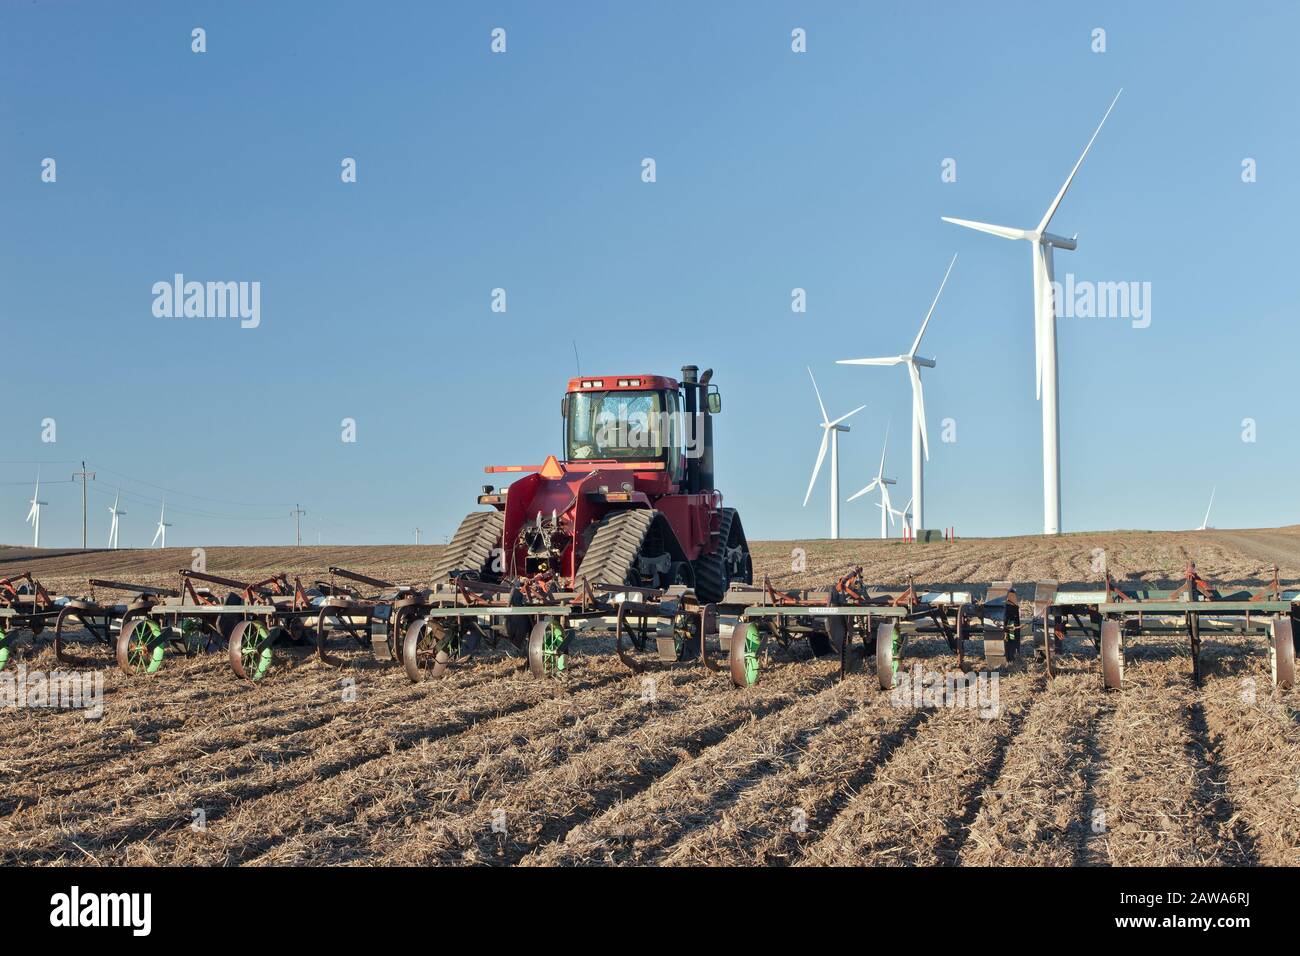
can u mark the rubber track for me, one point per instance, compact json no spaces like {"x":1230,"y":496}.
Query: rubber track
{"x":615,"y":546}
{"x":472,"y":545}
{"x":711,"y":569}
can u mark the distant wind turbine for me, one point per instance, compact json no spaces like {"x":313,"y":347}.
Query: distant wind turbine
{"x":116,"y":512}
{"x":1043,"y":242}
{"x":883,"y":483}
{"x":905,"y":516}
{"x":1205,"y":524}
{"x":914,"y":363}
{"x":830,"y":436}
{"x":34,"y":515}
{"x":163,"y":525}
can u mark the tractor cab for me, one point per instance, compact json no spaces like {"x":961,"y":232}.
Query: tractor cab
{"x":629,"y":420}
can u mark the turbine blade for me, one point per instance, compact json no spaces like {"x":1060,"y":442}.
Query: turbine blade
{"x":884,"y":494}
{"x":1006,"y":232}
{"x":1051,"y":210}
{"x":825,"y":417}
{"x":918,"y":406}
{"x":881,"y":473}
{"x":849,"y":415}
{"x":917,"y":344}
{"x":859,"y":494}
{"x":821,"y":455}
{"x":889,"y":360}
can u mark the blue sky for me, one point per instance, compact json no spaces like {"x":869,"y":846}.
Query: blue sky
{"x":522,"y":170}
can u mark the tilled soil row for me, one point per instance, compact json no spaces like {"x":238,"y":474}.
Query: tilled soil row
{"x":1162,"y":803}
{"x":1037,"y":812}
{"x":770,"y":819}
{"x":919,"y":805}
{"x":539,"y":804}
{"x":347,"y":811}
{"x":138,"y":807}
{"x":41,"y":771}
{"x":1257,"y":741}
{"x":696,"y":792}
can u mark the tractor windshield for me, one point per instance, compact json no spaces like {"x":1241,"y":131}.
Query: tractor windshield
{"x":624,"y":425}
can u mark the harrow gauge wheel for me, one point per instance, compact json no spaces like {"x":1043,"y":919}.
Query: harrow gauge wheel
{"x":420,"y":649}
{"x":140,"y":646}
{"x":1282,"y":653}
{"x":1112,"y":655}
{"x":546,"y":649}
{"x":889,"y":648}
{"x":745,"y":653}
{"x":251,"y":650}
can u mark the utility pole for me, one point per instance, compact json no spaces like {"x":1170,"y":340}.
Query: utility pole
{"x":417,"y":535}
{"x":83,"y":475}
{"x":297,"y":514}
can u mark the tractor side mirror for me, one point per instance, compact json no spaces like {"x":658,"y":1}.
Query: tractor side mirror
{"x":714,"y":400}
{"x":564,"y":405}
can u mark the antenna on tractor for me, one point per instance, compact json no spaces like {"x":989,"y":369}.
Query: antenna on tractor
{"x":576,"y":361}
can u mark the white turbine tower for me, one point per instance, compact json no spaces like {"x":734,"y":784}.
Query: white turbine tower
{"x":116,"y":512}
{"x":1042,"y":243}
{"x":1205,"y":524}
{"x":34,"y":515}
{"x":880,"y":481}
{"x":161,"y":533}
{"x":914,"y":363}
{"x":830,"y":436}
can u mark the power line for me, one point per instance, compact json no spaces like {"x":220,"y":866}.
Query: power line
{"x":185,"y":494}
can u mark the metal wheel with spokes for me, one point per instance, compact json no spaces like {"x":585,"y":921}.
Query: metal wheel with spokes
{"x":420,"y":650}
{"x":546,"y":649}
{"x":889,"y":648}
{"x":140,"y":646}
{"x":251,"y":651}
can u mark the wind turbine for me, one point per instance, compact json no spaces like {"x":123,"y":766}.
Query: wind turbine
{"x":905,"y":515}
{"x":830,"y":436}
{"x":116,"y":512}
{"x":914,"y":363}
{"x":1206,"y":523}
{"x":34,"y":515}
{"x":883,"y":483}
{"x":1042,"y":243}
{"x":163,"y":525}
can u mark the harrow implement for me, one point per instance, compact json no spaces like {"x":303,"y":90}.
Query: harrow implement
{"x":831,"y":619}
{"x":530,"y":617}
{"x":24,"y":605}
{"x":344,"y":608}
{"x":250,"y":621}
{"x":1113,"y":616}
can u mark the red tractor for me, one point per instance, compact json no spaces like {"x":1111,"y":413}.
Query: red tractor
{"x":632,"y":503}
